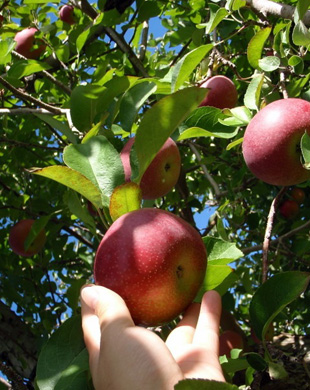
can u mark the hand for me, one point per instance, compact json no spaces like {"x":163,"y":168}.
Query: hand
{"x":124,"y":356}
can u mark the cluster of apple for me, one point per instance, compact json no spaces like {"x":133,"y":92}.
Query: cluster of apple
{"x":289,"y":208}
{"x":31,"y":47}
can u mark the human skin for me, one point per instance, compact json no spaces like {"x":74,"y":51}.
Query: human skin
{"x":155,"y":260}
{"x":123,"y":356}
{"x":163,"y":172}
{"x":223,"y":92}
{"x":271,"y":144}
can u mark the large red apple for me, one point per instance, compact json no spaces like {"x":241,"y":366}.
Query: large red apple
{"x":223,"y":92}
{"x":271,"y":145}
{"x":163,"y":172}
{"x":155,"y":261}
{"x":25,"y":40}
{"x":230,"y":340}
{"x":18,"y":235}
{"x":66,"y":14}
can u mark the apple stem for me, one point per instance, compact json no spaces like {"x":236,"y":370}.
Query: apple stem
{"x":268,"y":231}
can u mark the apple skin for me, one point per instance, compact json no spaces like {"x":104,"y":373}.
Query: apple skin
{"x":163,"y":172}
{"x":230,"y":340}
{"x":18,"y":235}
{"x":66,"y":14}
{"x":25,"y":40}
{"x":298,"y":194}
{"x":271,"y":144}
{"x":223,"y":92}
{"x":155,"y":261}
{"x":289,"y":208}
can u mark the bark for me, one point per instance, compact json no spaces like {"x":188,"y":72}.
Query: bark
{"x":18,"y":345}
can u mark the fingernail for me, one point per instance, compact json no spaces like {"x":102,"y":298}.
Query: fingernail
{"x":90,"y":296}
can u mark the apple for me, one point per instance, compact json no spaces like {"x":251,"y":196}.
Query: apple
{"x":271,"y":144}
{"x":230,"y":340}
{"x":163,"y":172}
{"x":289,"y":208}
{"x":25,"y":40}
{"x":66,"y":14}
{"x":223,"y":92}
{"x":18,"y":235}
{"x":1,"y":20}
{"x":155,"y":261}
{"x":298,"y":194}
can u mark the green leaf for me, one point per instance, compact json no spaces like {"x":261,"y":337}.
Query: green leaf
{"x":62,"y":357}
{"x":98,"y":161}
{"x":72,"y":179}
{"x":183,"y":69}
{"x":203,"y":384}
{"x":217,"y":14}
{"x":241,"y":115}
{"x":91,"y":101}
{"x":76,"y":208}
{"x":277,"y":371}
{"x":131,"y":102}
{"x":283,"y":288}
{"x":38,"y":225}
{"x":6,"y":47}
{"x":305,"y":150}
{"x":125,"y":198}
{"x":301,"y":34}
{"x":215,"y":275}
{"x":208,"y":118}
{"x":234,"y":143}
{"x":221,"y":252}
{"x":160,"y":121}
{"x":269,"y":64}
{"x":300,"y":10}
{"x":252,"y":95}
{"x":196,"y":132}
{"x":24,"y":68}
{"x":256,"y":45}
{"x":60,"y":126}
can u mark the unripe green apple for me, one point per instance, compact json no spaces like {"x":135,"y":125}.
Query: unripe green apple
{"x":155,"y":261}
{"x":66,"y":14}
{"x":25,"y":41}
{"x":223,"y":92}
{"x":163,"y":172}
{"x":289,"y":208}
{"x":18,"y":235}
{"x":271,"y":144}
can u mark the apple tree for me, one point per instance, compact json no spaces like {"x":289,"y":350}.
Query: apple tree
{"x":73,"y":90}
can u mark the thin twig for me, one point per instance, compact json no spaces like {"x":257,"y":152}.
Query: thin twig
{"x":144,"y":37}
{"x":28,"y":110}
{"x":47,"y":75}
{"x":25,"y":96}
{"x":268,"y":231}
{"x":205,"y":170}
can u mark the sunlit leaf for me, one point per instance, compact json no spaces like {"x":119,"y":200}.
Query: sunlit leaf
{"x":125,"y":198}
{"x":256,"y":45}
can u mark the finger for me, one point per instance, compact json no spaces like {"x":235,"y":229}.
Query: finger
{"x":207,"y":329}
{"x":90,"y":323}
{"x":184,"y":332}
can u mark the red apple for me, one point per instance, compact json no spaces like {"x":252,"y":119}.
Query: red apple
{"x":271,"y":144}
{"x":230,"y":340}
{"x":298,"y":194}
{"x":289,"y":208}
{"x":1,"y":20}
{"x":163,"y":172}
{"x":18,"y":235}
{"x":66,"y":14}
{"x":223,"y":92}
{"x":25,"y":40}
{"x":155,"y":261}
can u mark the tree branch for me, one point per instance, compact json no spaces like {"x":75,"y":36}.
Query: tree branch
{"x":25,"y":96}
{"x":268,"y":231}
{"x":284,"y":11}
